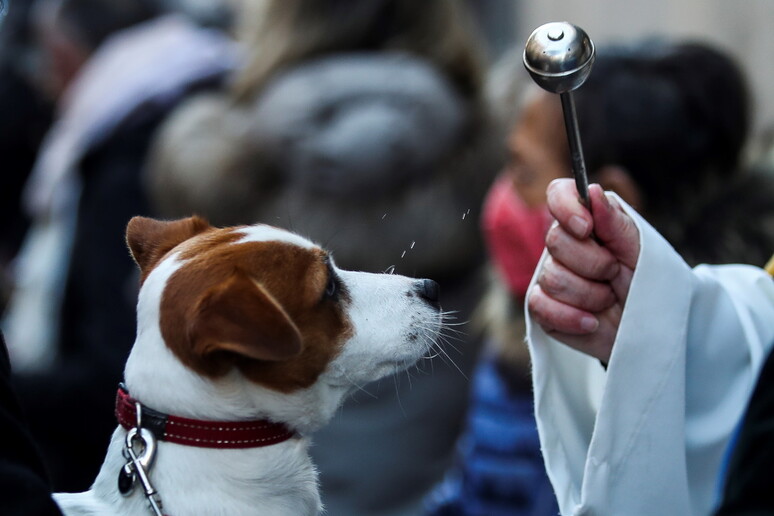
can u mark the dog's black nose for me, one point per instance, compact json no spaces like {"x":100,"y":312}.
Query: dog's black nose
{"x":429,"y":291}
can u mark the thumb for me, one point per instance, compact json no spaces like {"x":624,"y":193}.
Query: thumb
{"x":614,"y":227}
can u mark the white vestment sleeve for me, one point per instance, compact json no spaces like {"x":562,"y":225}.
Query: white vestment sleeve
{"x":648,"y":436}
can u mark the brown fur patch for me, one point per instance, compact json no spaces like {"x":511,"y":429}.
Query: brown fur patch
{"x":149,"y":240}
{"x":292,"y":278}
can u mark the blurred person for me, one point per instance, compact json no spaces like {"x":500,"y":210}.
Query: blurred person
{"x":664,"y":125}
{"x":26,"y":115}
{"x":642,"y":365}
{"x":116,"y":68}
{"x":746,"y":484}
{"x":24,"y":488}
{"x":24,"y":484}
{"x":361,"y":125}
{"x":661,"y":123}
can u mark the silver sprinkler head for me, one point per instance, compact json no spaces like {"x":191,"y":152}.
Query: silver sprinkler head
{"x":559,"y":56}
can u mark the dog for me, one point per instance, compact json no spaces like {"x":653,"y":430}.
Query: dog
{"x":248,"y":338}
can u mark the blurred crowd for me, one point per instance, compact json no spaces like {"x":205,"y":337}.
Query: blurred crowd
{"x":380,"y":129}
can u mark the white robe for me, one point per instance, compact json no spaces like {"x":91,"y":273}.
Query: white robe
{"x":649,"y":435}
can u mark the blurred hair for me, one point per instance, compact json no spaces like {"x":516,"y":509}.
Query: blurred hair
{"x":280,"y":33}
{"x":92,"y":21}
{"x":675,"y":116}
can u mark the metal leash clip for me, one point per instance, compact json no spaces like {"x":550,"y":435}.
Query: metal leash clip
{"x":137,"y":466}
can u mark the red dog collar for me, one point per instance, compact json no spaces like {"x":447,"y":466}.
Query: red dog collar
{"x":201,"y":434}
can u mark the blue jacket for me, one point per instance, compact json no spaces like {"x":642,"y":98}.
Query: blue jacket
{"x":499,"y":469}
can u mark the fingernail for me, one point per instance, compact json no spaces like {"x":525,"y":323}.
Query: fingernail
{"x":606,"y":201}
{"x":579,"y":225}
{"x":589,"y":324}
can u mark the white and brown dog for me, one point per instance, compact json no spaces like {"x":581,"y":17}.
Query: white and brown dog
{"x":248,"y":339}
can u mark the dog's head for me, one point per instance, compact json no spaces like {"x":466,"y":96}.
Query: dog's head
{"x":261,"y":309}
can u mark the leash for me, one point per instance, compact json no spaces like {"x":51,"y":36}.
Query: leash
{"x":146,"y":426}
{"x":138,"y":466}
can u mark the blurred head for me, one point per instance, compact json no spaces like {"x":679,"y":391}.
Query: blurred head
{"x":665,"y":122}
{"x":280,"y":33}
{"x":514,"y":218}
{"x":68,"y":31}
{"x":537,"y":146}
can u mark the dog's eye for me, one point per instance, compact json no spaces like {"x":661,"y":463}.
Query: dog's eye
{"x":332,"y":287}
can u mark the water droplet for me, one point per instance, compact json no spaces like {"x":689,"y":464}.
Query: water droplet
{"x":412,"y":245}
{"x":384,"y":216}
{"x":404,"y":254}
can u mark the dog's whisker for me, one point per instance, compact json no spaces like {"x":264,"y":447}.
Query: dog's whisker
{"x":446,"y":361}
{"x":422,"y":368}
{"x":444,"y":336}
{"x":446,"y":341}
{"x":451,"y":331}
{"x":397,"y":395}
{"x":359,"y":387}
{"x":435,"y":349}
{"x":450,"y":328}
{"x":453,"y":363}
{"x":448,"y":324}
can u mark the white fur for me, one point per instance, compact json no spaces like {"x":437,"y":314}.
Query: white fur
{"x":392,"y":329}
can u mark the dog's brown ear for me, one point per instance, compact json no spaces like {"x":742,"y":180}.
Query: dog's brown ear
{"x":240,"y":316}
{"x":150,"y":239}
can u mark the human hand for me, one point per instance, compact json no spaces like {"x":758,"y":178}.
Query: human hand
{"x":582,"y":286}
